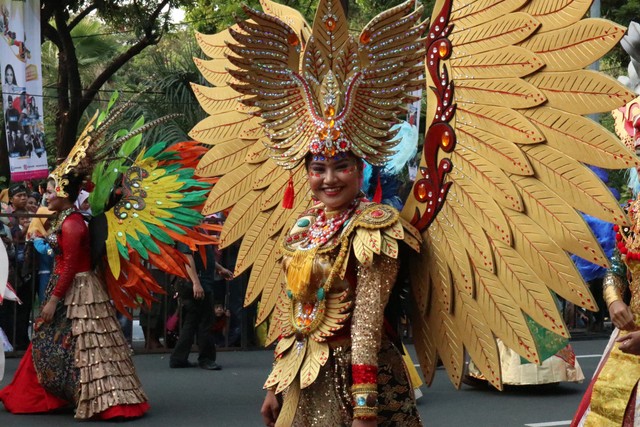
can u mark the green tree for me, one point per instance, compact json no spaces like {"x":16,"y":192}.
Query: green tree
{"x":211,"y":16}
{"x":621,"y":12}
{"x":92,"y":52}
{"x":145,"y":22}
{"x":167,"y":88}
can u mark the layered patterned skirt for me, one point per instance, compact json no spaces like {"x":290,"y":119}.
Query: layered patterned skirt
{"x":80,"y":357}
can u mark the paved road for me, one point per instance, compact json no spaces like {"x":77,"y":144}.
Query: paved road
{"x":232,"y":397}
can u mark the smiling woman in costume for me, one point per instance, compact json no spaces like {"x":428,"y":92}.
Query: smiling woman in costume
{"x":332,"y":319}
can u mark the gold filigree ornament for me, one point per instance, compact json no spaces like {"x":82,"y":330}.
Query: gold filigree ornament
{"x":77,"y":154}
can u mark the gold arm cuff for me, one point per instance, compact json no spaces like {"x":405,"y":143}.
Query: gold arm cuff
{"x":611,"y":294}
{"x":365,"y":401}
{"x":612,"y":288}
{"x":365,"y":413}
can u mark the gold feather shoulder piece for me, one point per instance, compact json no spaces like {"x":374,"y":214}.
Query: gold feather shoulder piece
{"x":504,"y":175}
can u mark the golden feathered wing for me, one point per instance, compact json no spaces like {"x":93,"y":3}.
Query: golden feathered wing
{"x":504,"y":175}
{"x":279,"y":83}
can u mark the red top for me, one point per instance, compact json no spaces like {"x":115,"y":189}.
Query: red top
{"x":74,"y":256}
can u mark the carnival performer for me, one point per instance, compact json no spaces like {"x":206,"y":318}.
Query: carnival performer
{"x":362,"y":358}
{"x":611,"y":398}
{"x":78,"y":355}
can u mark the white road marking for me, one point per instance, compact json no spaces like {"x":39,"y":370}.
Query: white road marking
{"x":589,"y":356}
{"x":550,"y":424}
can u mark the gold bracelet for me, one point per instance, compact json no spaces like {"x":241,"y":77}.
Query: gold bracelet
{"x":365,"y":401}
{"x":611,"y":294}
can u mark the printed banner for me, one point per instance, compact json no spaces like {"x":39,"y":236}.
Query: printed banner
{"x":21,"y":66}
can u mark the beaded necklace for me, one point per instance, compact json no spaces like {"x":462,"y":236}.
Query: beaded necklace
{"x":324,"y":228}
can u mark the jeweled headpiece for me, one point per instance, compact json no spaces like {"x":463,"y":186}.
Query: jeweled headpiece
{"x":331,"y":93}
{"x":77,"y":155}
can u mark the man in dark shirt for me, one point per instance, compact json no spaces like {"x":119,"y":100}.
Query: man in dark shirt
{"x":197,"y":311}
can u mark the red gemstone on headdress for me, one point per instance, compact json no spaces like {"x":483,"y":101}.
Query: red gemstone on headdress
{"x":422,"y":192}
{"x":443,"y":49}
{"x":330,"y":23}
{"x":365,"y":37}
{"x":293,"y":39}
{"x":377,"y":213}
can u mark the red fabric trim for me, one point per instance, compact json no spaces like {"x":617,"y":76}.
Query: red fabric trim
{"x":25,"y":395}
{"x":630,"y":411}
{"x":123,"y":411}
{"x":377,"y":196}
{"x":364,"y":374}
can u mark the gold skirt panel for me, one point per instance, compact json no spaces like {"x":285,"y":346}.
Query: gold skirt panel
{"x":613,"y":387}
{"x":102,"y":355}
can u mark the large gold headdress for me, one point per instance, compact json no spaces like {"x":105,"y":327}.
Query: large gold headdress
{"x":332,"y":93}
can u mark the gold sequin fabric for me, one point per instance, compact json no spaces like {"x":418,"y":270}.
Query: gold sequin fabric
{"x":372,"y":294}
{"x":107,"y":375}
{"x":613,"y":388}
{"x":634,"y":287}
{"x":326,"y":403}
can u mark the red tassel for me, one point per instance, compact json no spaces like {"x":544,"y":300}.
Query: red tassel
{"x":289,"y":195}
{"x":377,"y":196}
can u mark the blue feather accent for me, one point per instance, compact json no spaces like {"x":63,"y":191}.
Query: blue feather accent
{"x":406,"y":149}
{"x":633,"y":181}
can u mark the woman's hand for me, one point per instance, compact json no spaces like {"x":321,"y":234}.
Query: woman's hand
{"x":621,"y":316}
{"x":630,"y":343}
{"x":270,"y":409}
{"x":364,"y":423}
{"x":48,"y":310}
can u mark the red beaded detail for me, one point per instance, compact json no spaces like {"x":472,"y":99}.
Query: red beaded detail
{"x":364,"y":374}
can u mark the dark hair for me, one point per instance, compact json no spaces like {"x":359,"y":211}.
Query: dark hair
{"x":14,"y":82}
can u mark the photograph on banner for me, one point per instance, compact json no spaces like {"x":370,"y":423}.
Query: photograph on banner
{"x":20,"y":64}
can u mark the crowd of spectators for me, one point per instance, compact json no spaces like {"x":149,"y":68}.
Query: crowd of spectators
{"x":206,"y":309}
